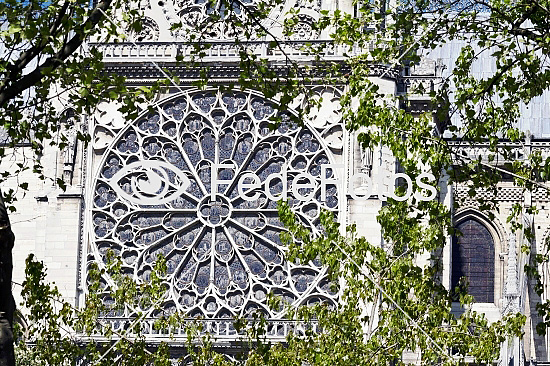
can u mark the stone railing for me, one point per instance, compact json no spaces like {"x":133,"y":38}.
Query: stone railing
{"x":221,"y":50}
{"x":416,"y":86}
{"x":218,"y":329}
{"x":473,"y":152}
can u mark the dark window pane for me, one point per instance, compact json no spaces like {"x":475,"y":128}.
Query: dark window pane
{"x":473,"y":256}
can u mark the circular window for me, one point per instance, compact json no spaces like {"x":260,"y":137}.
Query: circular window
{"x":197,"y":181}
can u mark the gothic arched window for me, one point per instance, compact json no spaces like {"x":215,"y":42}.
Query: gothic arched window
{"x":473,"y":257}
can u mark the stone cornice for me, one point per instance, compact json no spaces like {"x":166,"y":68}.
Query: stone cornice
{"x":225,"y":50}
{"x":223,"y":73}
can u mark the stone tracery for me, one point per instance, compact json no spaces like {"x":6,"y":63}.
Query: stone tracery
{"x":223,"y":253}
{"x":149,"y":33}
{"x":197,"y":14}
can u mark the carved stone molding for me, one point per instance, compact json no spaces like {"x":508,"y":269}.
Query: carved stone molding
{"x":149,"y":32}
{"x":221,"y":72}
{"x":303,"y":30}
{"x":228,"y":52}
{"x":327,"y":118}
{"x":70,"y":127}
{"x":195,"y":17}
{"x":309,"y":4}
{"x":517,"y":150}
{"x":426,"y":67}
{"x":512,"y":287}
{"x":107,"y":121}
{"x":508,"y":194}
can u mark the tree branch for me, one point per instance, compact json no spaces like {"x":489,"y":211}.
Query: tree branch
{"x":26,"y":57}
{"x":56,"y":60}
{"x":495,"y":78}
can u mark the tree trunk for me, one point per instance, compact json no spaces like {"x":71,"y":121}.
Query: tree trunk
{"x":7,"y":304}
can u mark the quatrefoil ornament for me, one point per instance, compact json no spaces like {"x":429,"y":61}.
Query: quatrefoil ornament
{"x":214,"y":212}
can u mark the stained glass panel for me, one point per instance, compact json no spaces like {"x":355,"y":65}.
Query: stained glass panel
{"x":223,"y":252}
{"x":474,"y":258}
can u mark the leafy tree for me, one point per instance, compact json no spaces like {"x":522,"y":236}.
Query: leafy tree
{"x":392,"y":302}
{"x":472,"y":110}
{"x":41,"y":66}
{"x":55,"y":325}
{"x":413,"y":308}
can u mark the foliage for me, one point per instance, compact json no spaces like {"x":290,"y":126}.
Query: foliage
{"x":392,"y":302}
{"x":412,"y":312}
{"x":44,"y":70}
{"x":389,"y":306}
{"x":58,"y":331}
{"x":468,"y":109}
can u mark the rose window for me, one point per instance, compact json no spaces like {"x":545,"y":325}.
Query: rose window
{"x":197,"y":182}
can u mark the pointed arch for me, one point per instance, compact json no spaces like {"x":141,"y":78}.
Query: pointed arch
{"x":473,"y":257}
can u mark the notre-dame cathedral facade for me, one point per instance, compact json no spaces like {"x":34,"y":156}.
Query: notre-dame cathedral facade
{"x":223,"y":251}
